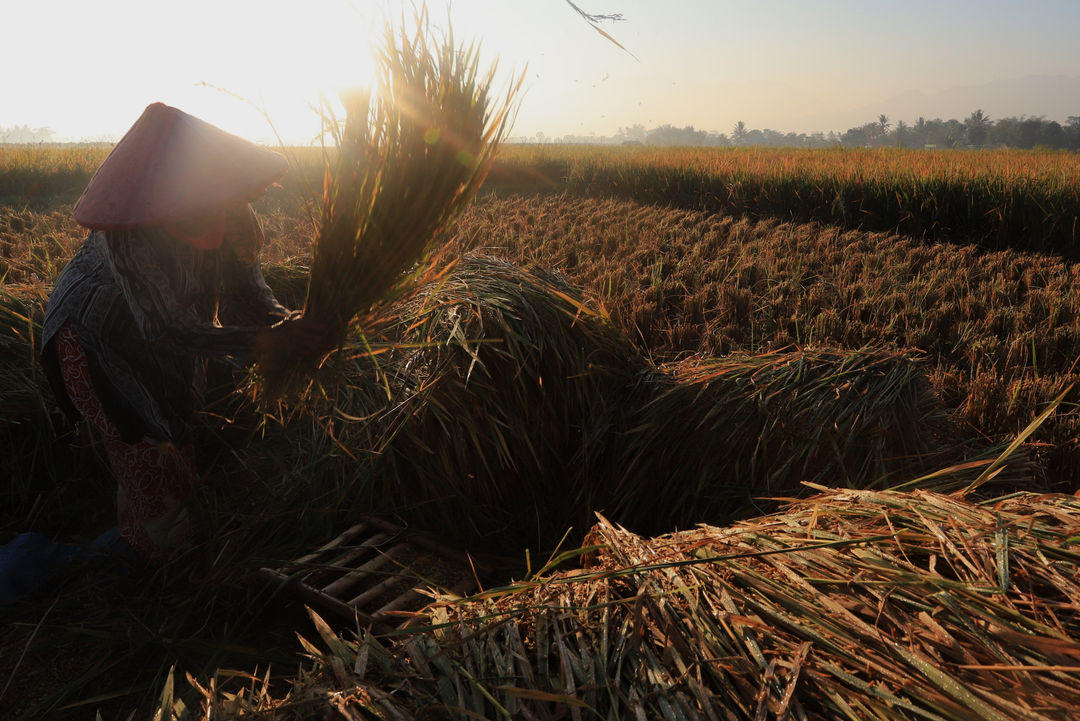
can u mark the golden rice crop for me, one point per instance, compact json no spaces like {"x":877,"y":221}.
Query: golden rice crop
{"x":33,"y":173}
{"x":35,"y":245}
{"x":999,"y":199}
{"x":1001,"y":329}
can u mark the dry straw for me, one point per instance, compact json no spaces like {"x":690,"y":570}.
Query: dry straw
{"x":738,"y":429}
{"x":848,"y":605}
{"x":407,"y":161}
{"x":512,"y":409}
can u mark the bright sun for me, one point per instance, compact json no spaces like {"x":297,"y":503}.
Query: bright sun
{"x":266,"y":71}
{"x":239,"y":64}
{"x":327,"y":49}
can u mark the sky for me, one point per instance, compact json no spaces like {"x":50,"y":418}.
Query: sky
{"x":87,"y":69}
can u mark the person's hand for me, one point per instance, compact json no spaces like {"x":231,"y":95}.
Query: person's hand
{"x":299,"y":337}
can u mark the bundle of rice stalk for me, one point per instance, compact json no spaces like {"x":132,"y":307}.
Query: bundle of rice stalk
{"x":508,"y":387}
{"x":847,"y":605}
{"x":737,"y":430}
{"x":408,"y":159}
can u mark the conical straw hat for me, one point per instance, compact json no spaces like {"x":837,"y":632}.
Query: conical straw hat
{"x":170,"y":166}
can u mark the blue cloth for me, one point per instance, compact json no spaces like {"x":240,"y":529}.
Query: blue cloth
{"x":31,"y":560}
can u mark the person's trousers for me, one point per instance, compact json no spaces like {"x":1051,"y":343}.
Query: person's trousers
{"x":154,"y":478}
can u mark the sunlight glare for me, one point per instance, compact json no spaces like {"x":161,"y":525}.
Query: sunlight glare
{"x":256,"y":68}
{"x":327,"y":50}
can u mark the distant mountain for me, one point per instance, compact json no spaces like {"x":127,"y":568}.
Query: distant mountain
{"x":1054,"y":97}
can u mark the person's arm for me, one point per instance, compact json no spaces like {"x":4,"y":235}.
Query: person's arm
{"x":149,"y":271}
{"x":246,"y":299}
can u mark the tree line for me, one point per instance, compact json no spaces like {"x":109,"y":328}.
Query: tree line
{"x":26,"y":134}
{"x":978,"y":130}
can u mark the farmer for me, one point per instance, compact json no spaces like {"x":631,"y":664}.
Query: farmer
{"x":168,"y":277}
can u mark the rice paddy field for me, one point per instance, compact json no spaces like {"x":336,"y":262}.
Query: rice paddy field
{"x":824,"y":356}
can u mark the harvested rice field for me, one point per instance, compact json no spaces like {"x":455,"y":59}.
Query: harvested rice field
{"x":717,"y":462}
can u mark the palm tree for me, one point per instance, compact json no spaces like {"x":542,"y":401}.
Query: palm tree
{"x":901,"y":132}
{"x":922,"y":131}
{"x":883,"y":125}
{"x":976,"y":127}
{"x":739,"y":133}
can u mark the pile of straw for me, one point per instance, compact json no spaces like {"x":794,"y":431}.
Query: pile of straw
{"x":847,"y":605}
{"x":514,"y":386}
{"x":509,"y":409}
{"x":742,"y":427}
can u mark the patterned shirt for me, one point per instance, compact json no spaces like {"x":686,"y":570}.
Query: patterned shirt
{"x":148,"y":310}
